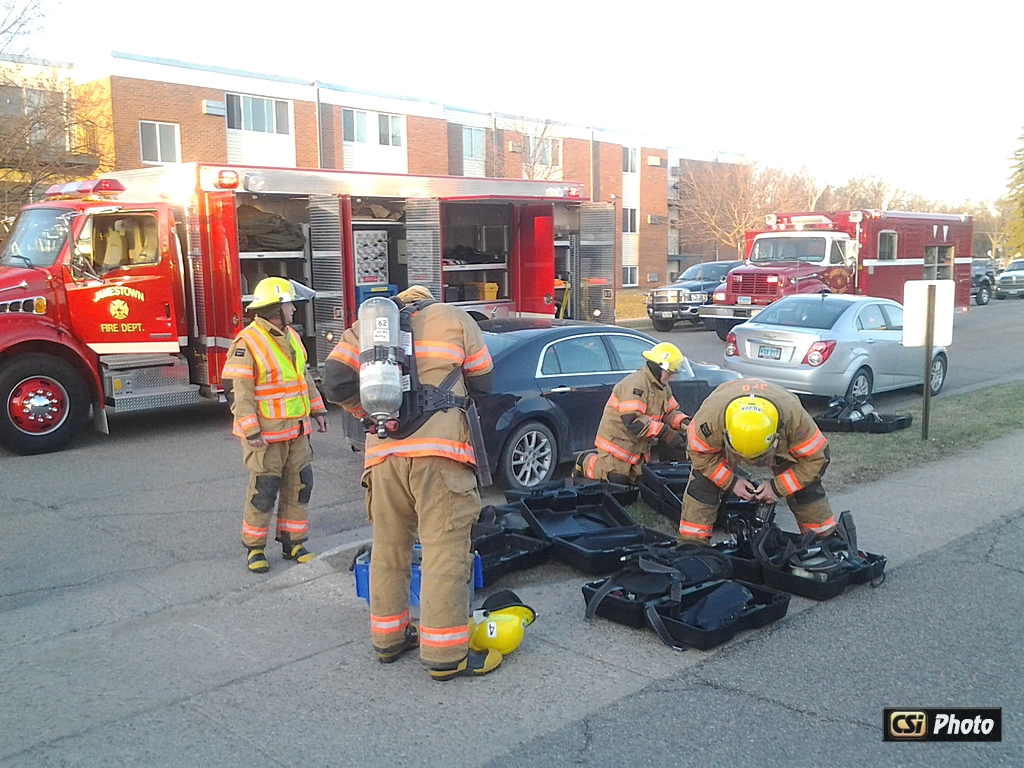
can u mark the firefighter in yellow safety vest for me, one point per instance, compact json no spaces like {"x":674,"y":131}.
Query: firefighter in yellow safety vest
{"x":423,"y":482}
{"x":274,"y":397}
{"x":751,"y":422}
{"x":641,"y":409}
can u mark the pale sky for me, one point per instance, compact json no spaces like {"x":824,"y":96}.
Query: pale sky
{"x":927,"y":95}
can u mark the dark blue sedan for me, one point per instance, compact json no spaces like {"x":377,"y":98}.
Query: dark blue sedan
{"x":551,"y":382}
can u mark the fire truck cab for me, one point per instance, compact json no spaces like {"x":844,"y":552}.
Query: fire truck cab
{"x":868,"y":252}
{"x":126,"y":291}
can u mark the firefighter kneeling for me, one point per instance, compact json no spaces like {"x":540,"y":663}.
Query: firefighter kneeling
{"x":640,"y":409}
{"x":752,"y":422}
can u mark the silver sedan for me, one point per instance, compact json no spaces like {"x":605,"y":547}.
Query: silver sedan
{"x":831,"y":345}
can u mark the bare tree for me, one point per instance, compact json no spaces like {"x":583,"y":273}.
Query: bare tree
{"x":48,"y":130}
{"x":540,"y":142}
{"x":720,"y":202}
{"x":18,"y":19}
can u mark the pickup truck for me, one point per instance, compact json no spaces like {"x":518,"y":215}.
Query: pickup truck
{"x":681,"y":299}
{"x":983,"y":280}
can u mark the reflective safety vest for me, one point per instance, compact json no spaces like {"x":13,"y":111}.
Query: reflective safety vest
{"x":280,"y":388}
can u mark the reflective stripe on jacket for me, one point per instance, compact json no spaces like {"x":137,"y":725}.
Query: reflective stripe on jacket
{"x":800,"y":455}
{"x":280,"y":389}
{"x":243,"y":371}
{"x":651,"y":405}
{"x":446,"y":338}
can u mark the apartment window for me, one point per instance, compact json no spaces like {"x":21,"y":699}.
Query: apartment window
{"x":39,"y":114}
{"x":390,"y":130}
{"x":886,"y":246}
{"x":473,"y":143}
{"x":630,"y":278}
{"x":158,"y":142}
{"x":629,"y":221}
{"x":353,"y":125}
{"x":543,"y":151}
{"x":251,"y":113}
{"x":628,"y":160}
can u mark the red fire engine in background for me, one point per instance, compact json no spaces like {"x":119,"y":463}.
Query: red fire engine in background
{"x":868,"y":252}
{"x":126,"y":291}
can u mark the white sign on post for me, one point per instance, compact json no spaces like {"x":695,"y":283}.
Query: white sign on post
{"x":915,"y":312}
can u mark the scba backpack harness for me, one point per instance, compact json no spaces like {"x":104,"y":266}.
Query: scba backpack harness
{"x":421,"y":401}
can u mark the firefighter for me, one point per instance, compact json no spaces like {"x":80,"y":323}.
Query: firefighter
{"x":423,"y":482}
{"x":641,"y":408}
{"x":754,"y":423}
{"x":273,"y":399}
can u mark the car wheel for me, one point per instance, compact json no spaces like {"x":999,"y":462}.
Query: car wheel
{"x":999,"y":298}
{"x":860,"y":385}
{"x":529,"y":457}
{"x":938,"y":377}
{"x":661,"y":324}
{"x":983,"y":295}
{"x":45,"y":403}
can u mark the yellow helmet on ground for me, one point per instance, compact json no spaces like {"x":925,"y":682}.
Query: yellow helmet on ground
{"x":501,"y":631}
{"x":500,"y":623}
{"x":751,"y":424}
{"x":665,"y":355}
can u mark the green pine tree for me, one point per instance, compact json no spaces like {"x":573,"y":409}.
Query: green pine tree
{"x":1015,"y":240}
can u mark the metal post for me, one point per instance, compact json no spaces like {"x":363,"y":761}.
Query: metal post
{"x":929,"y":341}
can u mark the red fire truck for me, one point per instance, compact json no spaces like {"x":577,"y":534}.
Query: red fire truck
{"x":124,"y":292}
{"x":868,"y":252}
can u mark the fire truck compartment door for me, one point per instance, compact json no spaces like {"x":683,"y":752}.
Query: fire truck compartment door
{"x":120,"y":283}
{"x":535,"y":260}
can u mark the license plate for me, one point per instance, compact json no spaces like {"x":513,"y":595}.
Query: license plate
{"x":742,"y":299}
{"x":769,"y":353}
{"x":666,"y":314}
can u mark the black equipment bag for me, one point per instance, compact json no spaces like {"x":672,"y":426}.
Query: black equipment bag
{"x":713,"y":613}
{"x":652,"y":575}
{"x":819,"y":569}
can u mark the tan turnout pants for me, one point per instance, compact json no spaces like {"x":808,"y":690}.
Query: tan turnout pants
{"x":438,"y":498}
{"x":281,"y":477}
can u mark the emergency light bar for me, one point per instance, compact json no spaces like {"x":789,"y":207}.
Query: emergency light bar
{"x":81,"y":189}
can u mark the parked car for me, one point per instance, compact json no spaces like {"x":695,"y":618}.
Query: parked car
{"x":831,"y":344}
{"x":983,"y":280}
{"x":1011,"y":280}
{"x":681,"y":299}
{"x":552,"y":379}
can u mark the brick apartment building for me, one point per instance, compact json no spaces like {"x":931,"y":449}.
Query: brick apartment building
{"x":162,"y":111}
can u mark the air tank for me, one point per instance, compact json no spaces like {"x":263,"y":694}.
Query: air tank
{"x":380,"y":375}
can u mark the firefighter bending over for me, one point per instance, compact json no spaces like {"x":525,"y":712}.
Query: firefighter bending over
{"x":419,"y":477}
{"x":640,"y":409}
{"x":274,"y":397}
{"x":752,"y":422}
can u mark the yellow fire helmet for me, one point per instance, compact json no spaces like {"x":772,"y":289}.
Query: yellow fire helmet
{"x":500,"y":623}
{"x":271,"y":291}
{"x":665,"y":355}
{"x":751,"y":424}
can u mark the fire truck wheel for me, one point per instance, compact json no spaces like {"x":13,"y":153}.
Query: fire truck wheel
{"x":660,"y":324}
{"x":860,"y":385}
{"x":529,"y":457}
{"x":45,"y":403}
